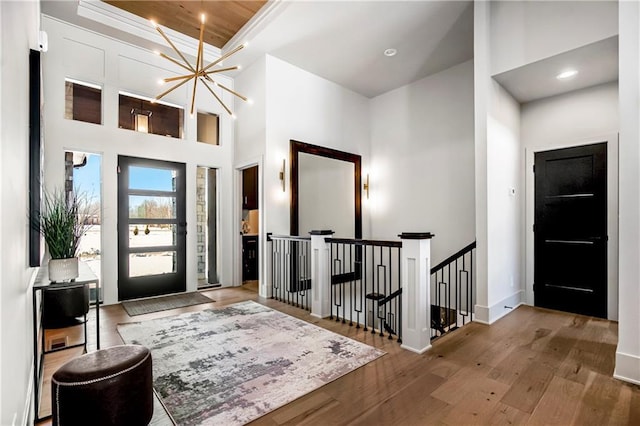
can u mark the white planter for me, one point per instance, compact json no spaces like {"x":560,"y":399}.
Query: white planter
{"x":63,"y":269}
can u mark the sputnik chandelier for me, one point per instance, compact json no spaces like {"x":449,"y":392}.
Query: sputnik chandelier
{"x":199,"y":72}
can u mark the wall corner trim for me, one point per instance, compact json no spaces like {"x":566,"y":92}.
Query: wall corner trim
{"x":627,"y":368}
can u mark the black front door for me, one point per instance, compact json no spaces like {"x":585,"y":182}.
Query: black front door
{"x":151,"y":228}
{"x":570,"y":272}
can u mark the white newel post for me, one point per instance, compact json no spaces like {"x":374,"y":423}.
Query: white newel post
{"x":320,"y":274}
{"x":416,"y":303}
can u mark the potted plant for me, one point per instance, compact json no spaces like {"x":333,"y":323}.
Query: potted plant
{"x":61,"y":221}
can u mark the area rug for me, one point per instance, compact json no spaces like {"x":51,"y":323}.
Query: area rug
{"x":164,"y":303}
{"x":231,"y":365}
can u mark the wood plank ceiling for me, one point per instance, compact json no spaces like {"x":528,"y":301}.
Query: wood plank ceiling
{"x":223,"y":18}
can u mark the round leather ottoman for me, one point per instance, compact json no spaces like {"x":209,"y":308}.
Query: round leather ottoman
{"x":110,"y":386}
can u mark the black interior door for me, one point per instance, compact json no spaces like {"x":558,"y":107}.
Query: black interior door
{"x":570,"y":271}
{"x":151,"y":228}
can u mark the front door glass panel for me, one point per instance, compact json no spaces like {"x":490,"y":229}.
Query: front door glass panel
{"x":151,"y":228}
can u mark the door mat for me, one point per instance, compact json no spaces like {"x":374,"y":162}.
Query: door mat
{"x":164,"y":303}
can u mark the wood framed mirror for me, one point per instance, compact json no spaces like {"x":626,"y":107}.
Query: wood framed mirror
{"x":300,"y":154}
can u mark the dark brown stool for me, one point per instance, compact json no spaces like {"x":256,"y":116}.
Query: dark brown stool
{"x":111,"y":386}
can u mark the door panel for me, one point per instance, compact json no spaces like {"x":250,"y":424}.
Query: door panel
{"x":151,"y":228}
{"x":570,"y":271}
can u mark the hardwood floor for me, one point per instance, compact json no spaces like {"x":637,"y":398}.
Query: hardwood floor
{"x":534,"y":366}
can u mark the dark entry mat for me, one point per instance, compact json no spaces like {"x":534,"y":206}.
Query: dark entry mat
{"x":164,"y":303}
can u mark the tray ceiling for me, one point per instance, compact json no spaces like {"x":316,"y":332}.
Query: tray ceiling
{"x":223,"y":18}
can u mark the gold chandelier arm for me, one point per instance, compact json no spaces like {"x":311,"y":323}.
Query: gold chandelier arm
{"x":173,"y":46}
{"x":163,"y":94}
{"x":203,"y":72}
{"x":223,"y":57}
{"x":179,"y":77}
{"x":200,"y":45}
{"x":188,"y":68}
{"x":198,"y":63}
{"x":193,"y":95}
{"x":216,"y":96}
{"x":244,"y":98}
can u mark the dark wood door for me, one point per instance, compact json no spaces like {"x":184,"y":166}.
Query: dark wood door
{"x":250,"y":188}
{"x":249,"y":258}
{"x":570,"y":272}
{"x":151,"y":228}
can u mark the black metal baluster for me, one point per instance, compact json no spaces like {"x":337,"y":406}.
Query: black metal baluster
{"x":458,"y":294}
{"x":399,"y":298}
{"x":333,"y":273}
{"x":471,"y":286}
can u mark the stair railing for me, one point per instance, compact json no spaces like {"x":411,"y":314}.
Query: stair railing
{"x":291,"y":270}
{"x":452,"y":291}
{"x":362,"y":285}
{"x":366,"y":285}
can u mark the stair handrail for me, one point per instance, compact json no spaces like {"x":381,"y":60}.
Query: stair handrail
{"x":453,"y":257}
{"x":271,"y":236}
{"x":361,"y":242}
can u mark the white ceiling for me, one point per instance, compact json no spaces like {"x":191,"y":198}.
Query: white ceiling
{"x":342,"y":41}
{"x":596,"y":63}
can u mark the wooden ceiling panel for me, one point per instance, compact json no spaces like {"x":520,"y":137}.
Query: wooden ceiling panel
{"x":223,"y":18}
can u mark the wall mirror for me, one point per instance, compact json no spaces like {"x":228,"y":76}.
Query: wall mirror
{"x":325,"y":190}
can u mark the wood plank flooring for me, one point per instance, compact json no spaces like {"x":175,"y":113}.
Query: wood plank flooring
{"x":534,"y":366}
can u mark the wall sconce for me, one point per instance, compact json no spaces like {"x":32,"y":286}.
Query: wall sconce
{"x":141,"y":120}
{"x":366,"y":186}
{"x":281,"y":175}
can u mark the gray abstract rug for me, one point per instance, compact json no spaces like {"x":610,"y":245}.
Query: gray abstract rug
{"x":164,"y":303}
{"x":231,"y":365}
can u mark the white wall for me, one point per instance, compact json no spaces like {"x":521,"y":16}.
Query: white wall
{"x":422,"y":161}
{"x":576,"y":118}
{"x":19,"y":25}
{"x":307,"y":108}
{"x":573,"y":116}
{"x":628,"y":351}
{"x":481,"y":73}
{"x":250,"y":133}
{"x":504,"y":203}
{"x":87,"y":56}
{"x":498,"y":182}
{"x":249,"y":150}
{"x":523,"y":32}
{"x":301,"y":106}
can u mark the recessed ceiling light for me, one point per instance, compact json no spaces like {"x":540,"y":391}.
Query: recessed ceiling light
{"x":566,"y":74}
{"x":390,"y":52}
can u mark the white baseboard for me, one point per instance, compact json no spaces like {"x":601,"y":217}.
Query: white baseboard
{"x":490,"y":314}
{"x":627,"y":368}
{"x":414,"y":350}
